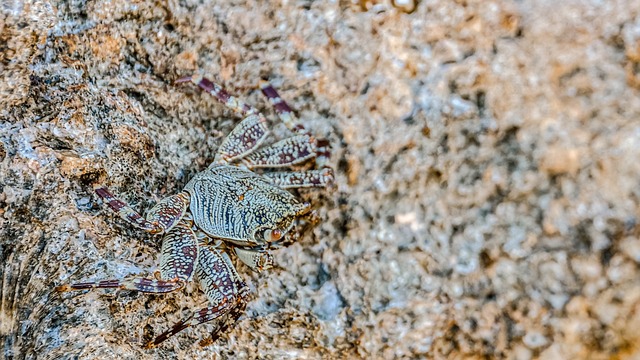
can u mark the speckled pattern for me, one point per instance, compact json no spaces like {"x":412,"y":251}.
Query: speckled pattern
{"x":487,"y":176}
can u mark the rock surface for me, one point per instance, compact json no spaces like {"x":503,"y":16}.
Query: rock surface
{"x":488,"y":183}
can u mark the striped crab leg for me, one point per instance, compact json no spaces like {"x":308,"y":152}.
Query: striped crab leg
{"x":177,"y":265}
{"x":225,"y":290}
{"x":286,"y":115}
{"x":160,"y":219}
{"x":247,"y":136}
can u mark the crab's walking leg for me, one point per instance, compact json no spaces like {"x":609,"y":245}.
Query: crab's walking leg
{"x":177,"y":263}
{"x":287,"y":152}
{"x":283,"y":110}
{"x":323,"y":153}
{"x":311,"y":178}
{"x":179,"y":253}
{"x":248,"y":135}
{"x":245,"y":138}
{"x":226,"y":312}
{"x":225,"y":290}
{"x":221,"y":94}
{"x":160,"y":219}
{"x":228,"y":320}
{"x":286,"y":115}
{"x":138,"y":284}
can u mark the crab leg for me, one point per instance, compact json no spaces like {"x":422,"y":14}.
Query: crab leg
{"x":311,"y":178}
{"x":286,"y":115}
{"x":177,"y":262}
{"x":179,"y":253}
{"x":245,"y":138}
{"x":137,"y":284}
{"x":287,"y":152}
{"x":224,"y":289}
{"x":283,"y":110}
{"x":229,"y":319}
{"x":226,"y":312}
{"x":160,"y":219}
{"x":323,"y":153}
{"x":221,"y":94}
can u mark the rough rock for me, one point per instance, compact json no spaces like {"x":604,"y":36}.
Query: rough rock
{"x":486,"y":154}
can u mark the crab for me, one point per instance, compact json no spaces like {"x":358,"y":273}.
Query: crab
{"x":227,"y":208}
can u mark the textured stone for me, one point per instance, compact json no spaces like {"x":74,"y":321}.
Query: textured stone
{"x":486,"y":157}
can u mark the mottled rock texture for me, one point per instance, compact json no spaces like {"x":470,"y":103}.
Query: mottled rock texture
{"x":487,"y":195}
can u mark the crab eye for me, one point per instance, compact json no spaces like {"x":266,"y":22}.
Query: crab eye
{"x":272,"y":235}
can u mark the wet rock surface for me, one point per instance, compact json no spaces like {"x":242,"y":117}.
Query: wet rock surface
{"x":487,"y":175}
